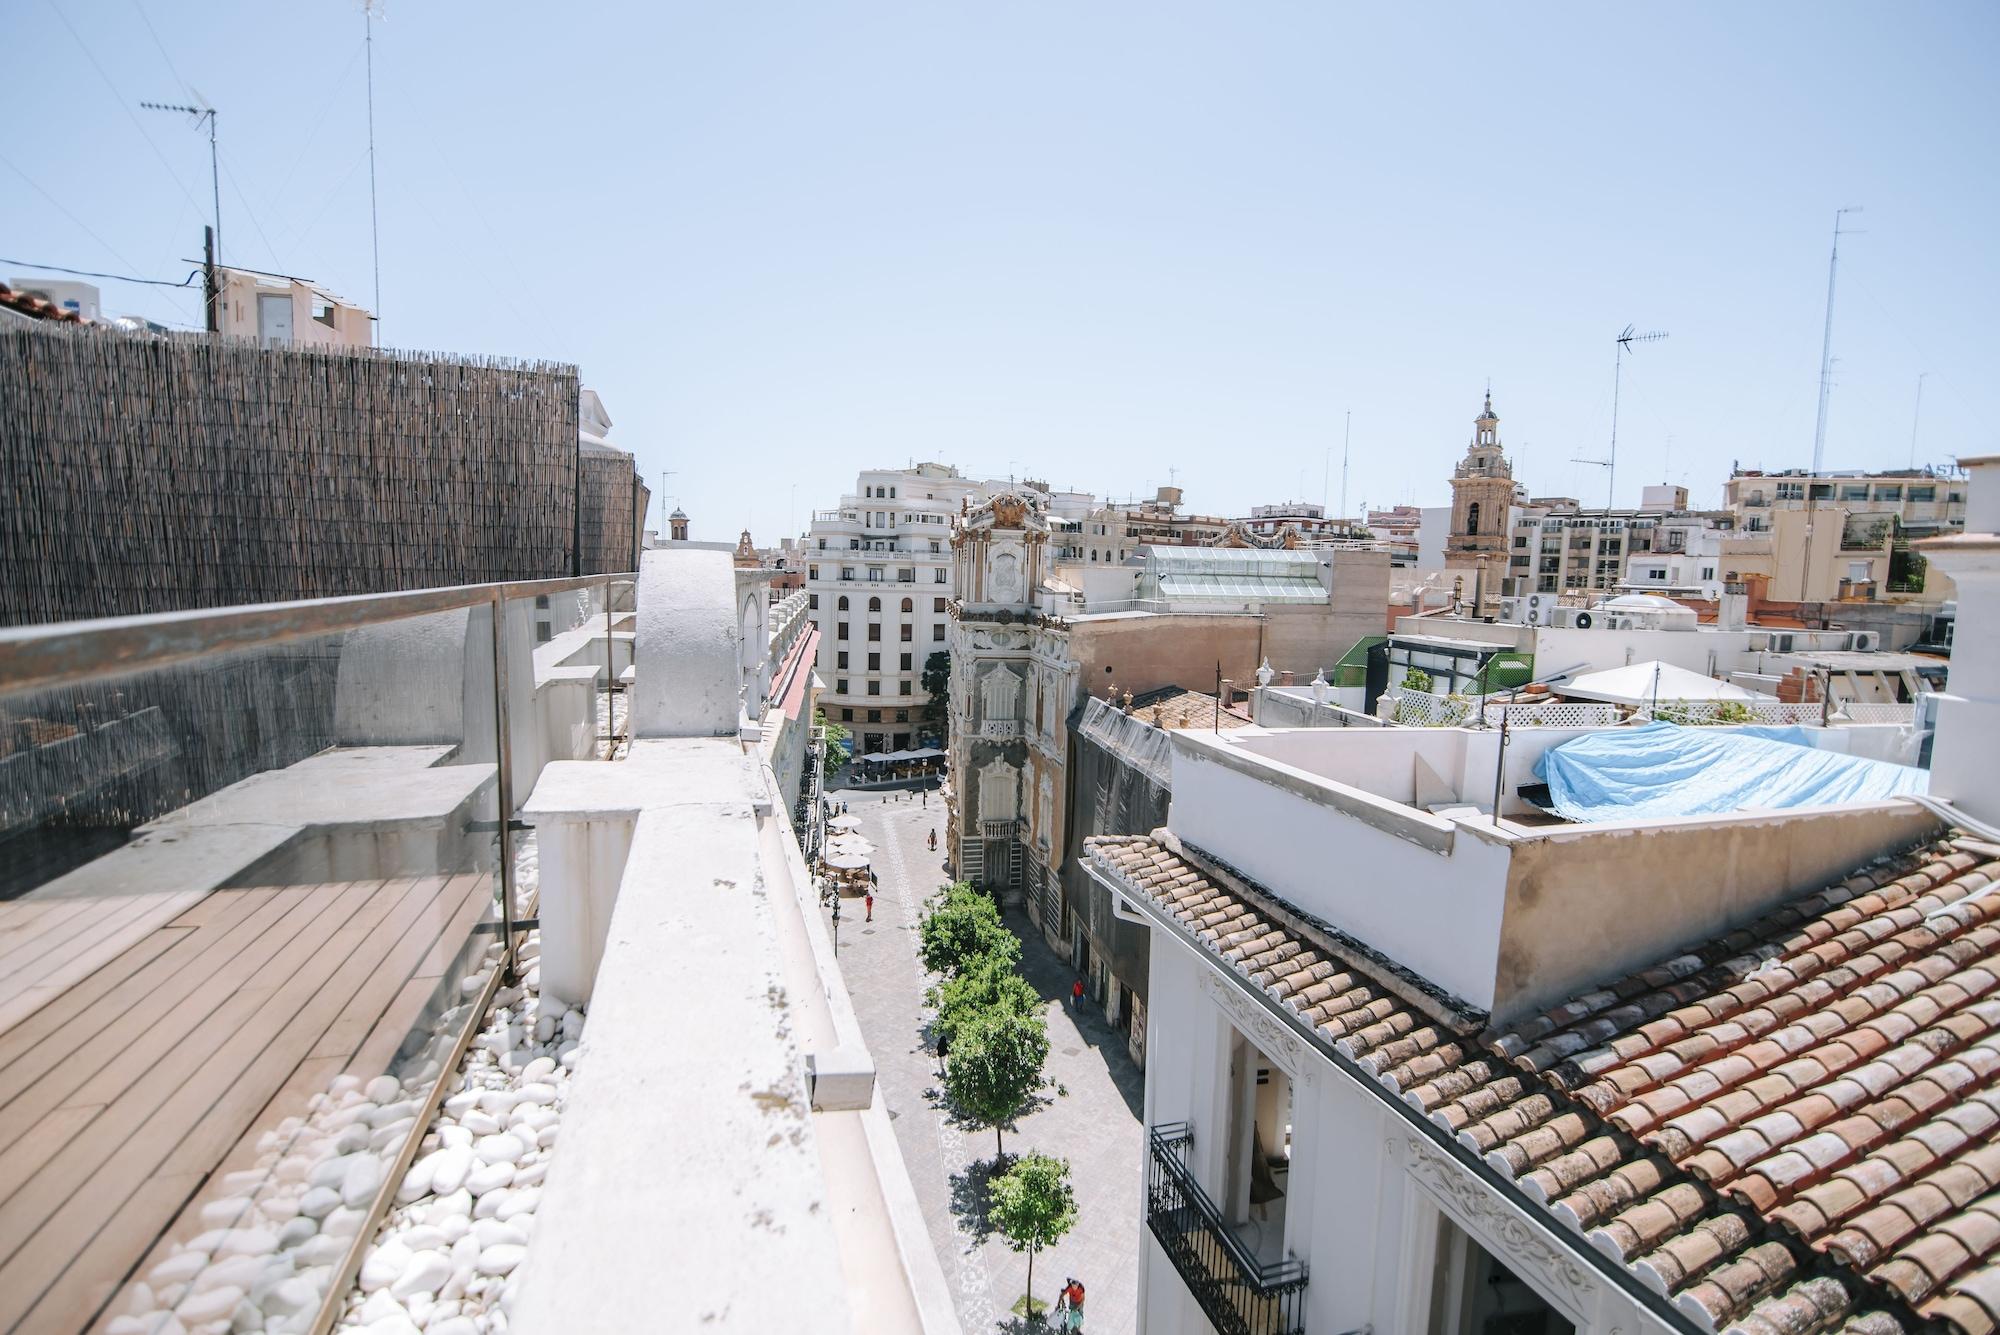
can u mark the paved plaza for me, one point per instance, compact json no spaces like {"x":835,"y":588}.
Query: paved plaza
{"x":1090,"y":1115}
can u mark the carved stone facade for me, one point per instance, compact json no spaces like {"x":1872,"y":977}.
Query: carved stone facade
{"x":1011,"y":683}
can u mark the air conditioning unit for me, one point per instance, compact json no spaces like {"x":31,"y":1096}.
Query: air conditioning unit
{"x":1539,"y":606}
{"x":1575,"y":618}
{"x":1623,"y":623}
{"x":1514,"y":611}
{"x":1867,"y":641}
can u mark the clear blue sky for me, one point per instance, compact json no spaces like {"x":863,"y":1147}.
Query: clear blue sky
{"x":1090,"y":242}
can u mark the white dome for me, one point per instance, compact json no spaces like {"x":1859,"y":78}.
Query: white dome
{"x":1642,"y":602}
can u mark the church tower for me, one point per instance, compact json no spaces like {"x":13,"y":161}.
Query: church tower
{"x":1482,"y":499}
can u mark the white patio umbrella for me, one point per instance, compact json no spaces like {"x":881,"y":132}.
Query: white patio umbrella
{"x":847,"y":861}
{"x":1642,"y":683}
{"x":844,"y":823}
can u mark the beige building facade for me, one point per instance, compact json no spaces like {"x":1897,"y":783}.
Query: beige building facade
{"x":1843,"y":537}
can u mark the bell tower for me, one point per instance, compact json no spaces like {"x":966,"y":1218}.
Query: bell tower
{"x":1482,"y":499}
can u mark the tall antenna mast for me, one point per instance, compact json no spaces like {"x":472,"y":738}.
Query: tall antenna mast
{"x":1346,"y":433}
{"x":374,"y":222}
{"x":1917,"y":417}
{"x":1826,"y":342}
{"x":1609,"y":464}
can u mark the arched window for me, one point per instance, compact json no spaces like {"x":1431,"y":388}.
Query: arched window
{"x":1472,"y":518}
{"x":843,"y":602}
{"x":874,"y":604}
{"x":909,"y":606}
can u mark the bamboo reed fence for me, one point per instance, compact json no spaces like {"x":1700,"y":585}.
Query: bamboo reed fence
{"x":148,"y":473}
{"x":613,"y":514}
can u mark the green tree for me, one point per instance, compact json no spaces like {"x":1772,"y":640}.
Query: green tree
{"x":996,"y":1064}
{"x":937,"y":685}
{"x":984,"y":983}
{"x":1032,"y":1206}
{"x":839,"y":746}
{"x":960,"y":926}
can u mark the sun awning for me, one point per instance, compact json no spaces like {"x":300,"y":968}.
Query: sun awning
{"x":1643,"y":683}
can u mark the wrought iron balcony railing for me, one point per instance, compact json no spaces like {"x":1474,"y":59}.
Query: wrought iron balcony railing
{"x":1239,"y":1294}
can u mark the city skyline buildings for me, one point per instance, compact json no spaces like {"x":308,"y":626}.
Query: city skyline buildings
{"x":1481,"y":196}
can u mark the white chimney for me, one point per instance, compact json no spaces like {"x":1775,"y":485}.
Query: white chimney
{"x":1963,"y":768}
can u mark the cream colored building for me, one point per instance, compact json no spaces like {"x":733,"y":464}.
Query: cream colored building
{"x":281,"y":311}
{"x":1832,"y":537}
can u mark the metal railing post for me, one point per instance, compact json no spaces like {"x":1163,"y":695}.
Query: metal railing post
{"x":504,"y":754}
{"x":610,"y":681}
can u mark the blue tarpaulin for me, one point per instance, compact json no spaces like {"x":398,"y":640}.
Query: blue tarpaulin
{"x":1660,"y":770}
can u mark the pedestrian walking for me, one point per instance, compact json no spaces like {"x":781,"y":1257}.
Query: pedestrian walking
{"x":933,"y":841}
{"x":1076,"y":995}
{"x":870,"y":900}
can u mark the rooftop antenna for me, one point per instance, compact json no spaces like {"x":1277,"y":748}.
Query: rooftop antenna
{"x":1917,"y":417}
{"x":1826,"y":340}
{"x":1609,"y":464}
{"x":1346,"y":433}
{"x":374,"y":222}
{"x":200,"y":112}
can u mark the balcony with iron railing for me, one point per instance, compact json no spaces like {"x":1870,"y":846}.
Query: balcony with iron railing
{"x":1239,"y":1293}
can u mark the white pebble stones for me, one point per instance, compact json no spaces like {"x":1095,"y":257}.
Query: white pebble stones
{"x":465,"y":1212}
{"x":462,"y":1217}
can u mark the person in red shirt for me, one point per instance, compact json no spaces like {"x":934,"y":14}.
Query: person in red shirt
{"x":1076,"y":995}
{"x":1069,"y":1305}
{"x":870,"y":901}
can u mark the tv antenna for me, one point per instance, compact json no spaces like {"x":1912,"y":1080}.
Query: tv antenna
{"x":1609,"y":464}
{"x":212,"y":283}
{"x":200,"y":113}
{"x":1826,"y":340}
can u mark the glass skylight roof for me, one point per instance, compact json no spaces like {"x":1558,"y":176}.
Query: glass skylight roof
{"x":1242,"y":588}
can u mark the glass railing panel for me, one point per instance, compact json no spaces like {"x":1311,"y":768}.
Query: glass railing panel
{"x":247,"y":916}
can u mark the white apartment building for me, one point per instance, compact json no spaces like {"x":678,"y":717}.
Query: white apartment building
{"x":878,"y":585}
{"x":1558,"y":546}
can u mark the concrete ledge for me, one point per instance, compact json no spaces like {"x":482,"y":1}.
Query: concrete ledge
{"x":689,"y":1176}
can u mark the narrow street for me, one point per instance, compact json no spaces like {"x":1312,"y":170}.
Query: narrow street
{"x":1089,"y":1114}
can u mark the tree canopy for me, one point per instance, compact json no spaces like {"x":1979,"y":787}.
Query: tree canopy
{"x":996,"y":1064}
{"x":961,"y":926}
{"x":1032,"y":1206}
{"x":984,"y":983}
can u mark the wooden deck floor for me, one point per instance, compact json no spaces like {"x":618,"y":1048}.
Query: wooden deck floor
{"x":148,"y":1040}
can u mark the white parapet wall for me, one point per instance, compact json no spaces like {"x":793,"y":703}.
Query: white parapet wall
{"x":689,"y":681}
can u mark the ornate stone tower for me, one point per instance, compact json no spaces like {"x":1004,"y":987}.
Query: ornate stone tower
{"x":1482,"y":494}
{"x":996,"y":689}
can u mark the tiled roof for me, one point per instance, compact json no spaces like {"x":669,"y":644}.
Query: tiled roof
{"x":1789,"y":1128}
{"x":40,"y":308}
{"x":1179,"y":707}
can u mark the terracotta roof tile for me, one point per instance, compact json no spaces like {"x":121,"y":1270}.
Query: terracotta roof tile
{"x":1794,"y":1127}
